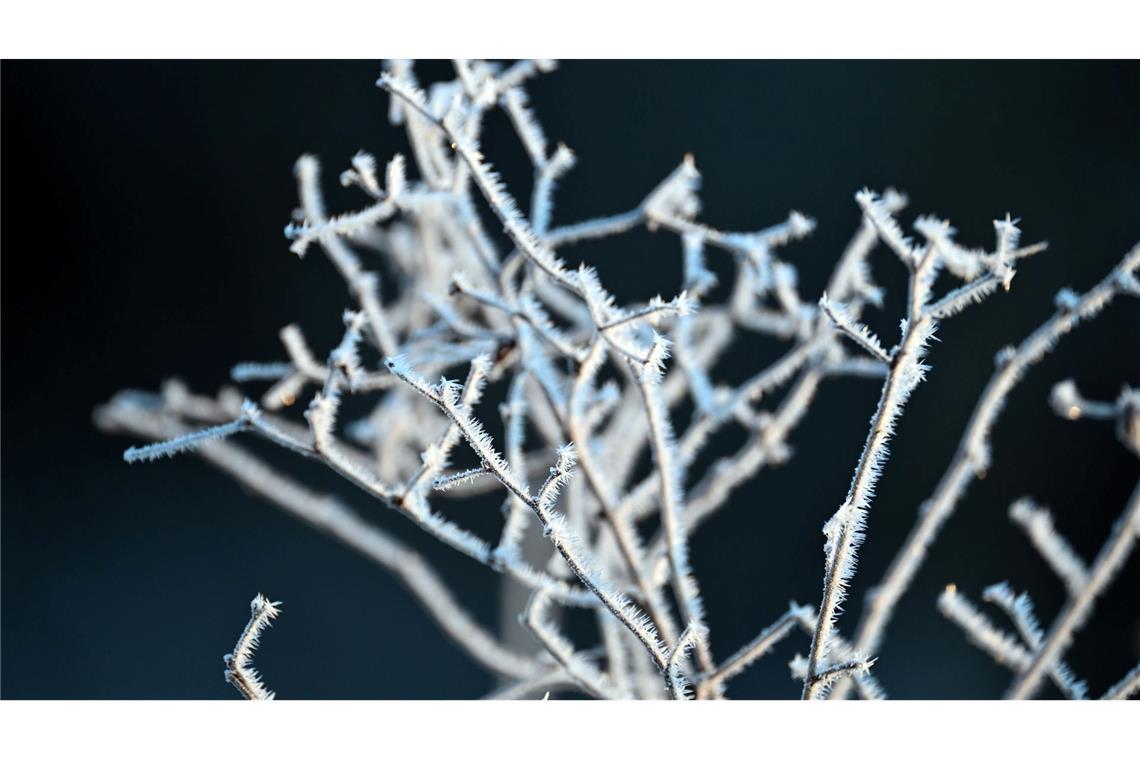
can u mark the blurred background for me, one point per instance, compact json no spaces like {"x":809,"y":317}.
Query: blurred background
{"x":143,"y":207}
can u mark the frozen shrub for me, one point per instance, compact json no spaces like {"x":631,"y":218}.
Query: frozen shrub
{"x":591,"y":387}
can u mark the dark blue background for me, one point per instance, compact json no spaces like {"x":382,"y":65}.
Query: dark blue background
{"x":143,"y":205}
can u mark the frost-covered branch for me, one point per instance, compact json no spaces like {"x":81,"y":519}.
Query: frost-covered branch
{"x":690,"y":640}
{"x":553,"y":523}
{"x":576,"y":666}
{"x":844,"y":531}
{"x":1051,"y":545}
{"x":330,"y":516}
{"x":856,"y":331}
{"x":973,"y":454}
{"x":239,"y":663}
{"x":1003,"y":647}
{"x":1125,"y":687}
{"x":755,"y":649}
{"x":1084,"y":586}
{"x":1068,"y":402}
{"x":1019,"y":609}
{"x":1079,"y":607}
{"x":663,"y":445}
